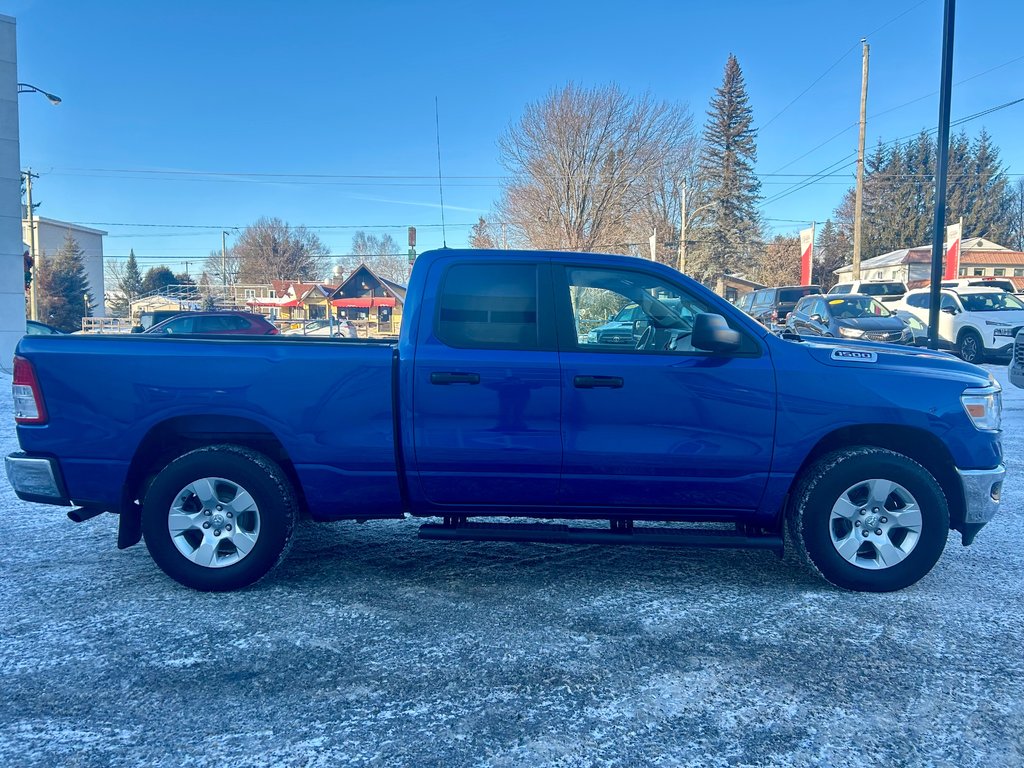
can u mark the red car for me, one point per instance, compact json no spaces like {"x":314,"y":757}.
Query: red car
{"x":221,"y":323}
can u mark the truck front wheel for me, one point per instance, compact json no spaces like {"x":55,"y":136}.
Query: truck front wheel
{"x":869,"y":519}
{"x":219,"y":518}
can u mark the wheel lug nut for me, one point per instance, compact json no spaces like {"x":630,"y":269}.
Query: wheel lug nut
{"x":231,"y":515}
{"x":885,"y":519}
{"x":216,"y":531}
{"x":878,"y":531}
{"x":863,"y":511}
{"x":875,"y":509}
{"x":857,"y":524}
{"x":206,"y":525}
{"x":207,"y":512}
{"x":866,"y":532}
{"x":227,"y":527}
{"x":219,"y":507}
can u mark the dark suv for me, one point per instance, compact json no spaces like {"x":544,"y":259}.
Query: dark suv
{"x":771,"y":306}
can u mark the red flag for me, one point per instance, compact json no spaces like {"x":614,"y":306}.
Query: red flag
{"x":952,"y":260}
{"x":806,"y":254}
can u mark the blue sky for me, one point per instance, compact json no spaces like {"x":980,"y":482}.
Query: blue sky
{"x":310,"y":92}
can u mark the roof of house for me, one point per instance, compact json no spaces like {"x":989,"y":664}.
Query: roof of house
{"x":65,"y":225}
{"x":973,"y":250}
{"x":397,"y":289}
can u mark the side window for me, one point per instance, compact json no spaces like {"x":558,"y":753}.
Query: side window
{"x":819,"y":308}
{"x":948,"y":302}
{"x":489,"y":306}
{"x":919,"y":300}
{"x":179,"y":325}
{"x":664,"y":315}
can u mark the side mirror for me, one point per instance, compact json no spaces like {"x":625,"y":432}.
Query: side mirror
{"x":817,"y":318}
{"x":712,"y":334}
{"x":950,"y":310}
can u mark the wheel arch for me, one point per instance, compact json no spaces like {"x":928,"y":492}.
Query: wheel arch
{"x":918,"y":444}
{"x":175,"y":436}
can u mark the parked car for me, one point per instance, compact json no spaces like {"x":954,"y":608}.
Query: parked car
{"x":883,"y":290}
{"x":1017,"y":362}
{"x":344,"y":329}
{"x":976,"y":323}
{"x":35,"y":328}
{"x":150,"y":318}
{"x":917,"y":327}
{"x":848,"y":316}
{"x":229,"y":323}
{"x":489,"y":406}
{"x":1002,"y":283}
{"x":770,"y":306}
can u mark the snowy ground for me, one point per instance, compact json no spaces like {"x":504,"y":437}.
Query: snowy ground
{"x":370,"y":647}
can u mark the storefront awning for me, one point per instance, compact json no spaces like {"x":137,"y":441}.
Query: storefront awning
{"x":367,"y":302}
{"x":272,"y":303}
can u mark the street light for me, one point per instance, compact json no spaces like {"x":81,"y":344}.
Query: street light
{"x":26,"y":88}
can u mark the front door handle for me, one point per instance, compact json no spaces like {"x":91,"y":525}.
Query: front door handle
{"x":453,"y":377}
{"x":591,"y":382}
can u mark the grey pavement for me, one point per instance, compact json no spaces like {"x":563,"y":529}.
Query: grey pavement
{"x":370,"y":647}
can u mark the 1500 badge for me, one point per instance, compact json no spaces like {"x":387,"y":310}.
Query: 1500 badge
{"x":854,"y":355}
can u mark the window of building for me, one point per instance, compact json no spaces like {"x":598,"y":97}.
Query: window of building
{"x":1018,"y":273}
{"x":489,"y":306}
{"x":999,"y":272}
{"x":978,"y":271}
{"x":250,"y":293}
{"x":272,"y":294}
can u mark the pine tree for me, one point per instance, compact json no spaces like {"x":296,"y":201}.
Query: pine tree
{"x":833,"y":250}
{"x":129,"y":286}
{"x":731,"y":228}
{"x":158,"y":279}
{"x":63,"y":290}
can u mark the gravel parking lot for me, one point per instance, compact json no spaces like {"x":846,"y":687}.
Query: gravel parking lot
{"x":370,"y":647}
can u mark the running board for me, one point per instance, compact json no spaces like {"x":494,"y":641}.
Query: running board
{"x":550,"y":533}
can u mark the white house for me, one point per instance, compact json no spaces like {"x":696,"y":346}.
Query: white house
{"x":50,"y":236}
{"x":978,"y":258}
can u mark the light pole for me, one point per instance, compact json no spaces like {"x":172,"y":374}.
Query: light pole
{"x":682,"y":227}
{"x":34,"y":274}
{"x":26,"y":88}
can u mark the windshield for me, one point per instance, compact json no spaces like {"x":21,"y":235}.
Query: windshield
{"x":883,"y":289}
{"x":625,"y":315}
{"x":857,"y":306}
{"x":990,"y":302}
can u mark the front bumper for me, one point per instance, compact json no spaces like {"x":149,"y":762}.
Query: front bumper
{"x":999,"y":351}
{"x":36,"y":479}
{"x":982,"y":491}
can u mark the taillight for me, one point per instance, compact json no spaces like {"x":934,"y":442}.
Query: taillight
{"x":29,"y":407}
{"x":273,"y":332}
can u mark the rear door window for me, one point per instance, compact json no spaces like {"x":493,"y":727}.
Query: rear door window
{"x":492,"y":306}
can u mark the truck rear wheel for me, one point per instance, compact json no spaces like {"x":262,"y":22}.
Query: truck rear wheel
{"x":869,"y":519}
{"x":219,"y":518}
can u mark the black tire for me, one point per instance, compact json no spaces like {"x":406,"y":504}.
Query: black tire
{"x":823,"y":485}
{"x":261,"y":478}
{"x":970,"y":348}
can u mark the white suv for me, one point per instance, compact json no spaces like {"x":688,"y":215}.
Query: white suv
{"x":883,"y":290}
{"x":974,"y":322}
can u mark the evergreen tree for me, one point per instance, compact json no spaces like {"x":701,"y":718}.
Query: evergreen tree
{"x":129,"y":286}
{"x":730,"y":233}
{"x":63,"y":289}
{"x":158,"y":279}
{"x":833,"y":250}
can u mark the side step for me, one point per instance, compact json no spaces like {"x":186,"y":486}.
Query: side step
{"x":621,"y":532}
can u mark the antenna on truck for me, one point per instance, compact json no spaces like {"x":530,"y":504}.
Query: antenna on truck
{"x":440,"y":186}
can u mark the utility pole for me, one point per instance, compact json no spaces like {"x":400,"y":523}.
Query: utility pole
{"x":682,"y":229}
{"x":941,"y":168}
{"x":504,"y":237}
{"x":859,"y":202}
{"x":32,"y":291}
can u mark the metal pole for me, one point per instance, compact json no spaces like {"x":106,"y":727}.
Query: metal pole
{"x":858,"y":205}
{"x":941,"y":168}
{"x":504,"y":236}
{"x":224,"y":261}
{"x":32,"y":293}
{"x":682,"y":229}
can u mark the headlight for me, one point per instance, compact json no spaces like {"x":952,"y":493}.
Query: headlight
{"x":592,"y":336}
{"x":1003,"y":330}
{"x":984,"y":407}
{"x":851,"y":333}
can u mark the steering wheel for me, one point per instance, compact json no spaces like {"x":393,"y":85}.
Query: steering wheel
{"x":646,"y":338}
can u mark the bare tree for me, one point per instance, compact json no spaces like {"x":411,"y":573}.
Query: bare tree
{"x":270,"y":249}
{"x":779,"y":262}
{"x":593,"y":169}
{"x":222,"y":268}
{"x":381,"y":253}
{"x":481,"y":236}
{"x":1015,"y":206}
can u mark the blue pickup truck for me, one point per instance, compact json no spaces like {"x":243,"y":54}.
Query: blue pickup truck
{"x":495,"y":405}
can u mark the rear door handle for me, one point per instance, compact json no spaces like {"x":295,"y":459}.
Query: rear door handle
{"x":591,"y":382}
{"x":453,"y":377}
